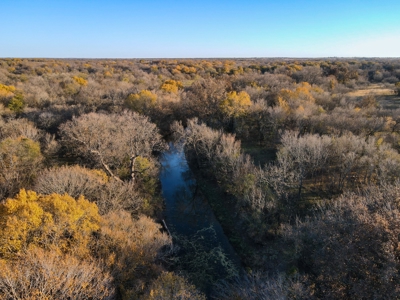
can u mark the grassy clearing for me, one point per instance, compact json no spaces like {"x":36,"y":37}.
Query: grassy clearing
{"x":373,"y":90}
{"x":386,"y":97}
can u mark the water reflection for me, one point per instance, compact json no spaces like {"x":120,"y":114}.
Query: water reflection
{"x":187,"y":210}
{"x":193,"y":223}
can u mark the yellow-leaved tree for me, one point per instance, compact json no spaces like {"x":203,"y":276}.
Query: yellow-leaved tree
{"x":6,"y":91}
{"x":80,"y":80}
{"x":12,"y":98}
{"x":171,"y":86}
{"x":302,"y":92}
{"x":57,"y":222}
{"x":235,"y":104}
{"x":142,"y":101}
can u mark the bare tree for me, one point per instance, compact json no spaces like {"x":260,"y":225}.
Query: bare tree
{"x":73,"y":180}
{"x":48,"y":275}
{"x":203,"y":98}
{"x":20,"y":158}
{"x":311,"y":75}
{"x":18,"y":127}
{"x":305,"y":155}
{"x":256,"y":286}
{"x":350,"y":248}
{"x":95,"y":185}
{"x":112,"y":140}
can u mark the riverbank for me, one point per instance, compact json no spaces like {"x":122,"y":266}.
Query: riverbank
{"x":267,"y":255}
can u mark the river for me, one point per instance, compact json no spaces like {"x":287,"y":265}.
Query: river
{"x":206,"y":255}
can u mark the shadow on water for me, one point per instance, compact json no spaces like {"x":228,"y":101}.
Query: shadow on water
{"x":206,"y":255}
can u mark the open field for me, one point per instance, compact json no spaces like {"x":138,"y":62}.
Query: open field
{"x":386,"y":97}
{"x":372,"y":90}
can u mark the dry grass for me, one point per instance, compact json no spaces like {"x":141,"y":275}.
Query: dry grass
{"x":387,"y":97}
{"x":373,"y":90}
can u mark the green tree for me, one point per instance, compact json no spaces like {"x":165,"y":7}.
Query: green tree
{"x":17,"y":103}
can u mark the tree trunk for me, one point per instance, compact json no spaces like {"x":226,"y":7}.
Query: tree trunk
{"x":300,"y":187}
{"x":110,"y":172}
{"x":133,"y":159}
{"x":105,"y":166}
{"x":302,"y":175}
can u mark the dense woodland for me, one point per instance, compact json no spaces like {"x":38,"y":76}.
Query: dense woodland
{"x":299,"y":159}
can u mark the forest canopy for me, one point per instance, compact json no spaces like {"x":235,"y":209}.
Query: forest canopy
{"x":299,"y":160}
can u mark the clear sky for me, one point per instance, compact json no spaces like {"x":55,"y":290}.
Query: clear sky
{"x":218,"y":28}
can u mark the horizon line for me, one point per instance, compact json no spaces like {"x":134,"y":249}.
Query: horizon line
{"x":217,"y":57}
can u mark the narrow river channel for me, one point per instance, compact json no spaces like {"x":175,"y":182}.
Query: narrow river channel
{"x":206,"y":254}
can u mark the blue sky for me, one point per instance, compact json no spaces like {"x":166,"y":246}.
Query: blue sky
{"x":141,"y":29}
